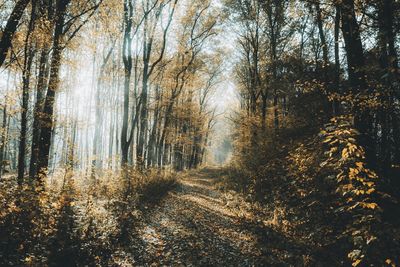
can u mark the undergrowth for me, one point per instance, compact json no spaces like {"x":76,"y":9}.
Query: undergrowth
{"x":77,"y":220}
{"x":317,"y":188}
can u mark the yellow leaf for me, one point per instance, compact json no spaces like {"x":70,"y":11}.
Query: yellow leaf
{"x":359,"y":165}
{"x":345,"y":153}
{"x":359,"y":192}
{"x":355,"y":263}
{"x":390,"y":262}
{"x":371,"y":206}
{"x":370,"y":191}
{"x":369,"y":184}
{"x":352,"y":147}
{"x":327,"y":140}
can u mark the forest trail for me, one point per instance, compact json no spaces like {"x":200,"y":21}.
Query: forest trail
{"x":195,"y":225}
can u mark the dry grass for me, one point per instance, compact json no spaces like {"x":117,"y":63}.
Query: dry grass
{"x":77,"y":220}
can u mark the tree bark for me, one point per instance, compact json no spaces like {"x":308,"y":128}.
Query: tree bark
{"x":10,"y":29}
{"x":3,"y":140}
{"x":357,"y":82}
{"x":47,"y":122}
{"x":336,"y":105}
{"x":127,"y":59}
{"x":353,"y":46}
{"x":322,"y":36}
{"x":26,"y":75}
{"x":38,"y":109}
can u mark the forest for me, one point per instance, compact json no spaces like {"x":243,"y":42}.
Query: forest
{"x":199,"y":133}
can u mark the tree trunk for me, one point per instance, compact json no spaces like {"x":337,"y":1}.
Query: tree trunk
{"x":3,"y":140}
{"x":38,"y":109}
{"x":322,"y":36}
{"x":355,"y":65}
{"x":10,"y":29}
{"x":127,"y":59}
{"x":29,"y":55}
{"x":24,"y":119}
{"x":47,"y":122}
{"x":353,"y":46}
{"x":336,"y":105}
{"x":388,"y":63}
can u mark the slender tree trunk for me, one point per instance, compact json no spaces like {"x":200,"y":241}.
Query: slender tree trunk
{"x":29,"y":55}
{"x":24,"y":120}
{"x":336,"y":105}
{"x":388,"y":63}
{"x":127,"y":59}
{"x":143,"y":122}
{"x":322,"y":35}
{"x":264,"y":98}
{"x":3,"y":141}
{"x":151,"y":158}
{"x":98,"y":140}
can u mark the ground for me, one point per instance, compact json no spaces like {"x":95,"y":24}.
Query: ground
{"x":198,"y":225}
{"x":194,"y":226}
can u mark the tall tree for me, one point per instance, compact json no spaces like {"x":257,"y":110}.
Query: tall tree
{"x":127,"y":59}
{"x":10,"y":28}
{"x":29,"y":53}
{"x":46,"y":12}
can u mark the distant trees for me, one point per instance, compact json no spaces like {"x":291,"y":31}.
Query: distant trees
{"x":152,"y":121}
{"x":265,"y":32}
{"x":149,"y":90}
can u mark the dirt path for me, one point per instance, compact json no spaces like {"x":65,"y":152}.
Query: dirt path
{"x":195,"y":226}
